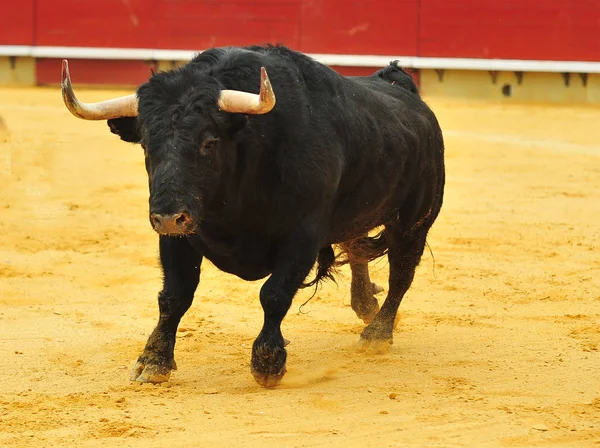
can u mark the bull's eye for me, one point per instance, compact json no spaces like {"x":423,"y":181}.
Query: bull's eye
{"x":209,"y":145}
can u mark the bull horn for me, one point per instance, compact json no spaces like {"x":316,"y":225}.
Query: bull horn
{"x":125,"y":106}
{"x":238,"y":102}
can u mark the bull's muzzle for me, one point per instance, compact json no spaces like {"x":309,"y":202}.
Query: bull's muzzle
{"x":173,"y":224}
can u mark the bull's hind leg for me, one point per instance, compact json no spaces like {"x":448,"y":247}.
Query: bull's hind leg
{"x":362,"y":292}
{"x":181,"y":267}
{"x":404,"y":255}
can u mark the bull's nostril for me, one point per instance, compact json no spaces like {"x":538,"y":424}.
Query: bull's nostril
{"x":154,"y":220}
{"x":182,"y":219}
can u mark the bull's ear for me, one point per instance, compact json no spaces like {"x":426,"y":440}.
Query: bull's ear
{"x":126,"y":128}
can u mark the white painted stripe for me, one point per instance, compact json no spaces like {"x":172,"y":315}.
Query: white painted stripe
{"x":344,"y":60}
{"x":14,"y":50}
{"x":92,"y":53}
{"x":359,"y":60}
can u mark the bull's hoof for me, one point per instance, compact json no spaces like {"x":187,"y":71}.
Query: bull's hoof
{"x":267,"y":380}
{"x":366,"y":307}
{"x":376,"y":338}
{"x":367,"y":315}
{"x":368,"y":318}
{"x":375,"y":346}
{"x":151,"y":373}
{"x":268,"y":361}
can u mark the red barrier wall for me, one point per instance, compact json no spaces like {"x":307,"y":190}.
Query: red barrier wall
{"x":94,"y":71}
{"x":88,"y":23}
{"x":511,"y":29}
{"x":16,"y":22}
{"x":508,"y":29}
{"x":374,"y":27}
{"x":201,"y":24}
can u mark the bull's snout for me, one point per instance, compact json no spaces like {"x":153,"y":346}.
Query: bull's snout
{"x":176,"y":223}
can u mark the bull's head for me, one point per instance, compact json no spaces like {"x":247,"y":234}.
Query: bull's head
{"x":184,"y":122}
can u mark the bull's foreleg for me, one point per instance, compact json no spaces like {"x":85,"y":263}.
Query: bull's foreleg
{"x":294,"y":260}
{"x":181,"y":268}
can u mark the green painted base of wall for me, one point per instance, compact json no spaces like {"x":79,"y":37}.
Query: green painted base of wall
{"x":532,"y":87}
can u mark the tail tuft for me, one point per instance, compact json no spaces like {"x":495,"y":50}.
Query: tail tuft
{"x":325,"y":267}
{"x":364,"y":249}
{"x":396,"y":75}
{"x":360,"y":250}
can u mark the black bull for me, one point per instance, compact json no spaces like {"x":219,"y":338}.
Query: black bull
{"x":269,"y":194}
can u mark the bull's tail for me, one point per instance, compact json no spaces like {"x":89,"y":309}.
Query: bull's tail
{"x":360,"y":250}
{"x":364,"y":249}
{"x":325,"y":267}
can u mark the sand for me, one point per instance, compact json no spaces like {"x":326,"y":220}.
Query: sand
{"x":498,"y":341}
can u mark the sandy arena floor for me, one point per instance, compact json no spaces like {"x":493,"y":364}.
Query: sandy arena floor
{"x":498,"y":346}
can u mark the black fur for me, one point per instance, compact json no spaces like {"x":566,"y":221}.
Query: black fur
{"x":270,"y":194}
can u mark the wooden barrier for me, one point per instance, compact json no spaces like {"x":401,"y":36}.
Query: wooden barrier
{"x":353,"y":36}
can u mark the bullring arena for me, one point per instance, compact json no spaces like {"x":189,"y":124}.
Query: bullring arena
{"x":497,"y":343}
{"x":497,"y":340}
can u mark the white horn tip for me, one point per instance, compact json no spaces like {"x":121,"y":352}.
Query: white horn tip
{"x":65,"y":71}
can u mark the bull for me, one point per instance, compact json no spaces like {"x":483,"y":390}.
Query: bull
{"x":263,"y":160}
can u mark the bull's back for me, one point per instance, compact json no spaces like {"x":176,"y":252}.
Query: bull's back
{"x":393,"y":146}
